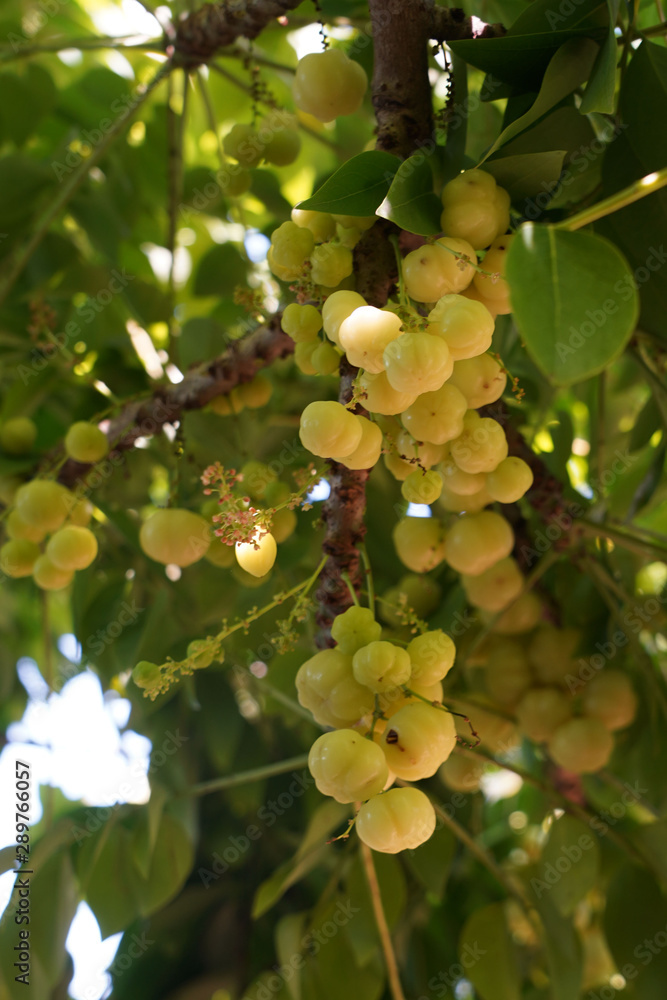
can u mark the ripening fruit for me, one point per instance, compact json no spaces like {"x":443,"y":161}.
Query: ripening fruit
{"x":432,"y":271}
{"x":417,"y":362}
{"x":461,"y":774}
{"x":175,"y":537}
{"x":42,"y":504}
{"x":424,"y":452}
{"x":508,"y":674}
{"x":541,"y":711}
{"x":398,"y":820}
{"x":201,"y":654}
{"x":290,"y":247}
{"x":243,"y":144}
{"x":328,"y":84}
{"x":420,"y":543}
{"x":459,"y":503}
{"x":257,"y":556}
{"x":255,"y":393}
{"x":381,"y":397}
{"x":280,"y":138}
{"x":85,"y":442}
{"x":582,"y":746}
{"x":337,"y":307}
{"x":475,"y":208}
{"x":551,"y":653}
{"x":50,"y":577}
{"x":283,"y":524}
{"x":510,"y":480}
{"x":476,"y":541}
{"x":496,"y":587}
{"x":381,"y":665}
{"x":81,"y":512}
{"x":368,"y":451}
{"x":436,"y":416}
{"x":432,"y":656}
{"x":220,"y":554}
{"x":327,"y":429}
{"x":325,"y":359}
{"x":347,"y":766}
{"x":396,"y":698}
{"x":494,"y":261}
{"x":302,"y":323}
{"x":16,"y":527}
{"x":418,"y":740}
{"x":467,"y":327}
{"x":18,"y":557}
{"x":355,"y":628}
{"x":321,"y":224}
{"x":146,"y":674}
{"x":496,"y":733}
{"x":481,"y":380}
{"x":521,"y":616}
{"x":422,"y":487}
{"x":330,"y":264}
{"x":364,"y":335}
{"x":455,"y":480}
{"x":420,"y":593}
{"x":481,"y":446}
{"x":327,"y":687}
{"x":610,"y":698}
{"x":18,"y":435}
{"x":362,"y":222}
{"x":303,"y":356}
{"x":72,"y":547}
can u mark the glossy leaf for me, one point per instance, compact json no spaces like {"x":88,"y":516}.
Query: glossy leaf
{"x":488,"y":955}
{"x":587,"y":307}
{"x":569,"y":865}
{"x":411,"y":202}
{"x":563,"y":951}
{"x":356,"y":188}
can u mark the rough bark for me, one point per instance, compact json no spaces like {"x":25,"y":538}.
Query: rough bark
{"x":240,"y":363}
{"x":214,"y":26}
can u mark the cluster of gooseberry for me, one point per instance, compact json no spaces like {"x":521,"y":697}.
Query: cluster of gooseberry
{"x":247,"y":395}
{"x":47,"y":525}
{"x":275,"y":140}
{"x":383,"y":701}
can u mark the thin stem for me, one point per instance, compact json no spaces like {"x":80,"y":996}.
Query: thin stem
{"x":615,"y":782}
{"x":82,"y":44}
{"x":353,"y":594}
{"x":623,"y":537}
{"x":402,"y":294}
{"x":304,"y":128}
{"x":247,"y":777}
{"x":381,"y":922}
{"x":512,"y":887}
{"x":639,"y":189}
{"x":72,"y":184}
{"x":561,"y":801}
{"x":368,"y":573}
{"x":655,"y":29}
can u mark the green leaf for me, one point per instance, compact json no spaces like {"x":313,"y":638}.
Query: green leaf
{"x":488,"y":955}
{"x":573,"y":300}
{"x":109,"y":885}
{"x":567,"y":70}
{"x":358,"y":187}
{"x":570,"y":863}
{"x":601,"y":87}
{"x":635,"y":915}
{"x":640,"y":148}
{"x":171,"y":863}
{"x":220,"y":271}
{"x":147,"y":828}
{"x":528,"y":173}
{"x":411,"y":202}
{"x":432,"y":861}
{"x":563,"y":951}
{"x":362,"y":932}
{"x":313,"y":847}
{"x":54,"y":899}
{"x":289,"y":934}
{"x":651,"y":839}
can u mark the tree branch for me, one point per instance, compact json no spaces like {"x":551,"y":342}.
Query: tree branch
{"x":200,"y":34}
{"x":240,"y":363}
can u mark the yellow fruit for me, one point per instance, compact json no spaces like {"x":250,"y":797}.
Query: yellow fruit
{"x":420,"y":543}
{"x":476,"y":541}
{"x":495,"y":288}
{"x":582,"y":746}
{"x":466,"y":327}
{"x":86,"y":443}
{"x":436,"y":416}
{"x":496,"y":587}
{"x":611,"y":698}
{"x":328,"y":84}
{"x":541,"y":711}
{"x":18,"y":435}
{"x":337,"y":307}
{"x":432,"y":270}
{"x":417,"y":362}
{"x":368,"y":451}
{"x":43,"y":504}
{"x":174,"y":536}
{"x":50,"y":577}
{"x":380,"y":397}
{"x":398,"y":820}
{"x":481,"y":380}
{"x":72,"y":547}
{"x":257,"y":556}
{"x":18,"y":557}
{"x":365,"y":334}
{"x":510,"y":480}
{"x":327,"y":687}
{"x":347,"y":766}
{"x":461,"y":773}
{"x":327,"y":429}
{"x":418,"y":739}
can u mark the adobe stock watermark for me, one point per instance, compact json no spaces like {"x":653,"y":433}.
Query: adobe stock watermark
{"x":138,"y":945}
{"x":74,"y":328}
{"x":624,"y":288}
{"x":35,"y":19}
{"x":266,"y":816}
{"x":312,"y":942}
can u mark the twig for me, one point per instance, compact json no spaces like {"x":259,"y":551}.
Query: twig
{"x":247,"y":777}
{"x":381,"y":922}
